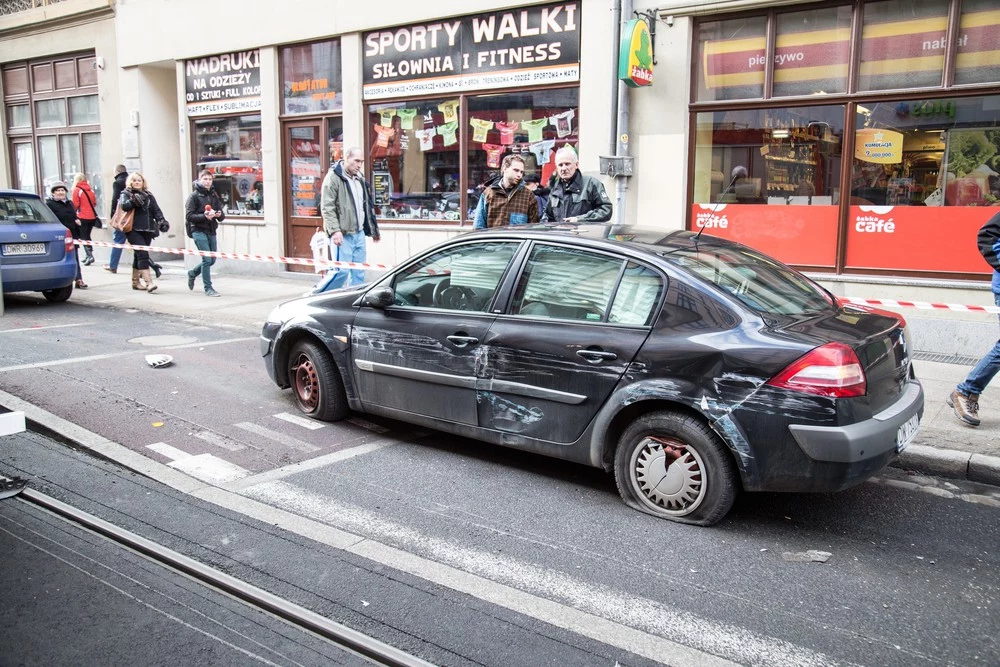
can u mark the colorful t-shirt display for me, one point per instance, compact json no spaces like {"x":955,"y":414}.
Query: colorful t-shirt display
{"x":535,"y":128}
{"x":507,"y":132}
{"x":426,"y":138}
{"x":563,"y":123}
{"x":493,"y":153}
{"x":406,"y":118}
{"x":450,"y":110}
{"x":480,"y":128}
{"x":384,"y":135}
{"x":447,"y":132}
{"x":386,"y":115}
{"x":542,"y":150}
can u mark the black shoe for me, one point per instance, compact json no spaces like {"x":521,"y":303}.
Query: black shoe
{"x":156,"y":269}
{"x":88,"y":260}
{"x":191,"y":279}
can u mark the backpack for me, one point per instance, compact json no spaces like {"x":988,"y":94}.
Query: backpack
{"x":189,"y":229}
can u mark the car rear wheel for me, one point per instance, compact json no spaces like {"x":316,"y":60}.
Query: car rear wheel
{"x":673,"y":466}
{"x":58,"y":295}
{"x":316,"y":383}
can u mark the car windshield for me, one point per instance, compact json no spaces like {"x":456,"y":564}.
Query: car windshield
{"x":14,"y":209}
{"x":759,"y":282}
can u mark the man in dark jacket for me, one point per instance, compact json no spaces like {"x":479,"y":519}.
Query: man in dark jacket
{"x":63,"y":208}
{"x":534,"y":183}
{"x":965,"y":399}
{"x":202,"y":213}
{"x":575,"y":197}
{"x":506,"y":201}
{"x":117,"y":236}
{"x":348,"y":217}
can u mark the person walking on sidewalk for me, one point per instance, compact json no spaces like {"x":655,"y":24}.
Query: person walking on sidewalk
{"x":85,"y":204}
{"x":203,"y":211}
{"x":348,"y":217}
{"x":965,"y":399}
{"x":147,"y":220}
{"x":117,"y":236}
{"x":63,"y":208}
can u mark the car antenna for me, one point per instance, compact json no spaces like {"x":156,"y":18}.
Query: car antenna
{"x":739,"y":171}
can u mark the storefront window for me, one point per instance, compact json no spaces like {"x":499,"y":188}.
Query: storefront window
{"x":414,"y":159}
{"x":770,"y":178}
{"x":231,"y":149}
{"x":902,"y":44}
{"x":531,"y":124}
{"x":812,"y":52}
{"x":912,"y":158}
{"x":977,"y":58}
{"x":731,"y":59}
{"x":311,"y":79}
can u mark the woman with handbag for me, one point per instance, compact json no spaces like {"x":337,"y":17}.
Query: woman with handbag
{"x":85,"y":204}
{"x":146,"y":221}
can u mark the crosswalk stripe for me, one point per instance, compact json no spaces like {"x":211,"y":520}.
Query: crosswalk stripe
{"x":280,"y":438}
{"x":310,"y":424}
{"x":219,"y":441}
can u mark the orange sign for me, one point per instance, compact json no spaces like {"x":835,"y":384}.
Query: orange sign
{"x":880,"y":146}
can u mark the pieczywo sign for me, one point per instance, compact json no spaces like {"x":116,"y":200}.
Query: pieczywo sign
{"x":635,"y":60}
{"x":226,"y":83}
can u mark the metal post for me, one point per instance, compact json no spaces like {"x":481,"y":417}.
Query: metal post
{"x":621,"y":182}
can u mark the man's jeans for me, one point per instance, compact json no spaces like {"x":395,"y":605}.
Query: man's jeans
{"x":204,"y":241}
{"x":984,"y":370}
{"x":351,"y":250}
{"x":118,"y":237}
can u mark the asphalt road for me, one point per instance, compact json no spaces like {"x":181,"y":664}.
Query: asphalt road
{"x":467,"y":554}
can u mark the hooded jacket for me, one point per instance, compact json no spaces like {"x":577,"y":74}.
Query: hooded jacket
{"x":583,"y":197}
{"x":147,"y":212}
{"x":85,"y":201}
{"x":337,"y":205}
{"x":194,"y":209}
{"x":116,"y":191}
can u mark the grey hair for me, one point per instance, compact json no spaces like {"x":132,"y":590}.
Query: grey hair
{"x":568,"y":150}
{"x":351,"y":151}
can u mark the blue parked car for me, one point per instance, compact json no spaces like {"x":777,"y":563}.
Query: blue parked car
{"x":36,"y":251}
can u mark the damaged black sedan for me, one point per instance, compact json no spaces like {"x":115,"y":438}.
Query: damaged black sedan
{"x":692,"y":367}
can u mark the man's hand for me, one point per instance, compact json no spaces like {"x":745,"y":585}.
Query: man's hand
{"x":571,"y":219}
{"x":337,"y":238}
{"x":376,"y":238}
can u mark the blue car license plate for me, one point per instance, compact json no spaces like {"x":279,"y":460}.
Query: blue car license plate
{"x":907,"y":432}
{"x":24,"y":249}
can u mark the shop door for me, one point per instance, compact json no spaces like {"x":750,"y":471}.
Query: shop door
{"x":309,"y":147}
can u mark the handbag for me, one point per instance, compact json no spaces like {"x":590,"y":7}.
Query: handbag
{"x":97,"y":219}
{"x":122,"y":221}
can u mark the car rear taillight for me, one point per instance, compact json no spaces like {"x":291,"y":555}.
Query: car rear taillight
{"x":70,"y":246}
{"x":831,"y":370}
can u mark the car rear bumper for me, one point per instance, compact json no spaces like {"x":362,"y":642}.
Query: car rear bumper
{"x":864,"y":440}
{"x":38,"y":277}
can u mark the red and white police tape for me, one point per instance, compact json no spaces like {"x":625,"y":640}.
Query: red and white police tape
{"x":303,"y":261}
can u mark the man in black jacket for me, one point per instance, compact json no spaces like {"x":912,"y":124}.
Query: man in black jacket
{"x":203,"y":212}
{"x":63,"y":208}
{"x":118,"y":237}
{"x":575,"y":197}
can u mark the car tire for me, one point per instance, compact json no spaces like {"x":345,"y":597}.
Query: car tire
{"x":673,"y":466}
{"x":58,"y":295}
{"x":316,"y":384}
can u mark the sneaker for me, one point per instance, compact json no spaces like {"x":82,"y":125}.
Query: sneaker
{"x":966,"y":407}
{"x":191,"y":281}
{"x":211,"y":292}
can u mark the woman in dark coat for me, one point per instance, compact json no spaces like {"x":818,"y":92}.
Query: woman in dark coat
{"x":145,"y":225}
{"x":64,"y":210}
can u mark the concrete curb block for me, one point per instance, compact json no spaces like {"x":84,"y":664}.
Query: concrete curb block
{"x":947,"y":463}
{"x":984,"y":469}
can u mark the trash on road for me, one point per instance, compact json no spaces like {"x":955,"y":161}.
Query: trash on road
{"x":159,"y":360}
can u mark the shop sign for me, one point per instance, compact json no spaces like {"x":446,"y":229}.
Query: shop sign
{"x":899,"y":47}
{"x":913,"y":238}
{"x":505,"y":49}
{"x":226,"y":83}
{"x":878,"y":145}
{"x":635,"y":61}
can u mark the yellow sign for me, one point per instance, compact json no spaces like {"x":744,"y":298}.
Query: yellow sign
{"x":635,"y":60}
{"x":879,"y":146}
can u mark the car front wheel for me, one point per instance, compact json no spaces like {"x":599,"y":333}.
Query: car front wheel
{"x":673,"y":466}
{"x":58,"y":295}
{"x":316,"y":383}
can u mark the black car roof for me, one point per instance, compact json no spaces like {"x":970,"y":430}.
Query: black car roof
{"x":648,"y":239}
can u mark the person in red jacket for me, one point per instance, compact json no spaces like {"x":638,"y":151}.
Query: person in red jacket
{"x":85,"y":203}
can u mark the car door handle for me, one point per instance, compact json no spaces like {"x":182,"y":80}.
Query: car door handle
{"x":462,"y":341}
{"x":595,"y":356}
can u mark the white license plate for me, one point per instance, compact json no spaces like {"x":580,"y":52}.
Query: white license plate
{"x":24,"y":249}
{"x":907,"y":432}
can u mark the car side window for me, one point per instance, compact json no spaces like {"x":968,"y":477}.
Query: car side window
{"x":459,"y":278}
{"x":566,"y":284}
{"x":637,"y":296}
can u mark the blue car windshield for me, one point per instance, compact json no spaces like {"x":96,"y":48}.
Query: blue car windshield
{"x":762,"y":284}
{"x":15,"y":209}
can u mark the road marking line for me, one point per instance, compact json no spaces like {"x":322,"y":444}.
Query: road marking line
{"x":280,"y":438}
{"x":310,"y":424}
{"x":206,"y":343}
{"x":364,"y":423}
{"x":616,"y":618}
{"x":220,"y":441}
{"x":172,"y":453}
{"x":63,"y":362}
{"x":210,"y":468}
{"x":46,"y":328}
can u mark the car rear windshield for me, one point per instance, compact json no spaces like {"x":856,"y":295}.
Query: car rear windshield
{"x":761,"y":283}
{"x":14,"y":209}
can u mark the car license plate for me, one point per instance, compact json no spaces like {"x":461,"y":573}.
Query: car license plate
{"x":907,"y":432}
{"x":24,"y":249}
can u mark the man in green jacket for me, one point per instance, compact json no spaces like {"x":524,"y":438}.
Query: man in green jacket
{"x":348,"y":217}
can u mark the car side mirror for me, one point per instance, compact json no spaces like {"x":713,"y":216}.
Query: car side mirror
{"x":380,"y":297}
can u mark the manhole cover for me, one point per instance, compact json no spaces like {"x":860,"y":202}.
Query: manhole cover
{"x":160,"y":341}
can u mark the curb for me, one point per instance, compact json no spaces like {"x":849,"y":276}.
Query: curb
{"x":950,"y":463}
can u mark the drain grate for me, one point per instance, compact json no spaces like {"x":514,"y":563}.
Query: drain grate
{"x":946,"y":358}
